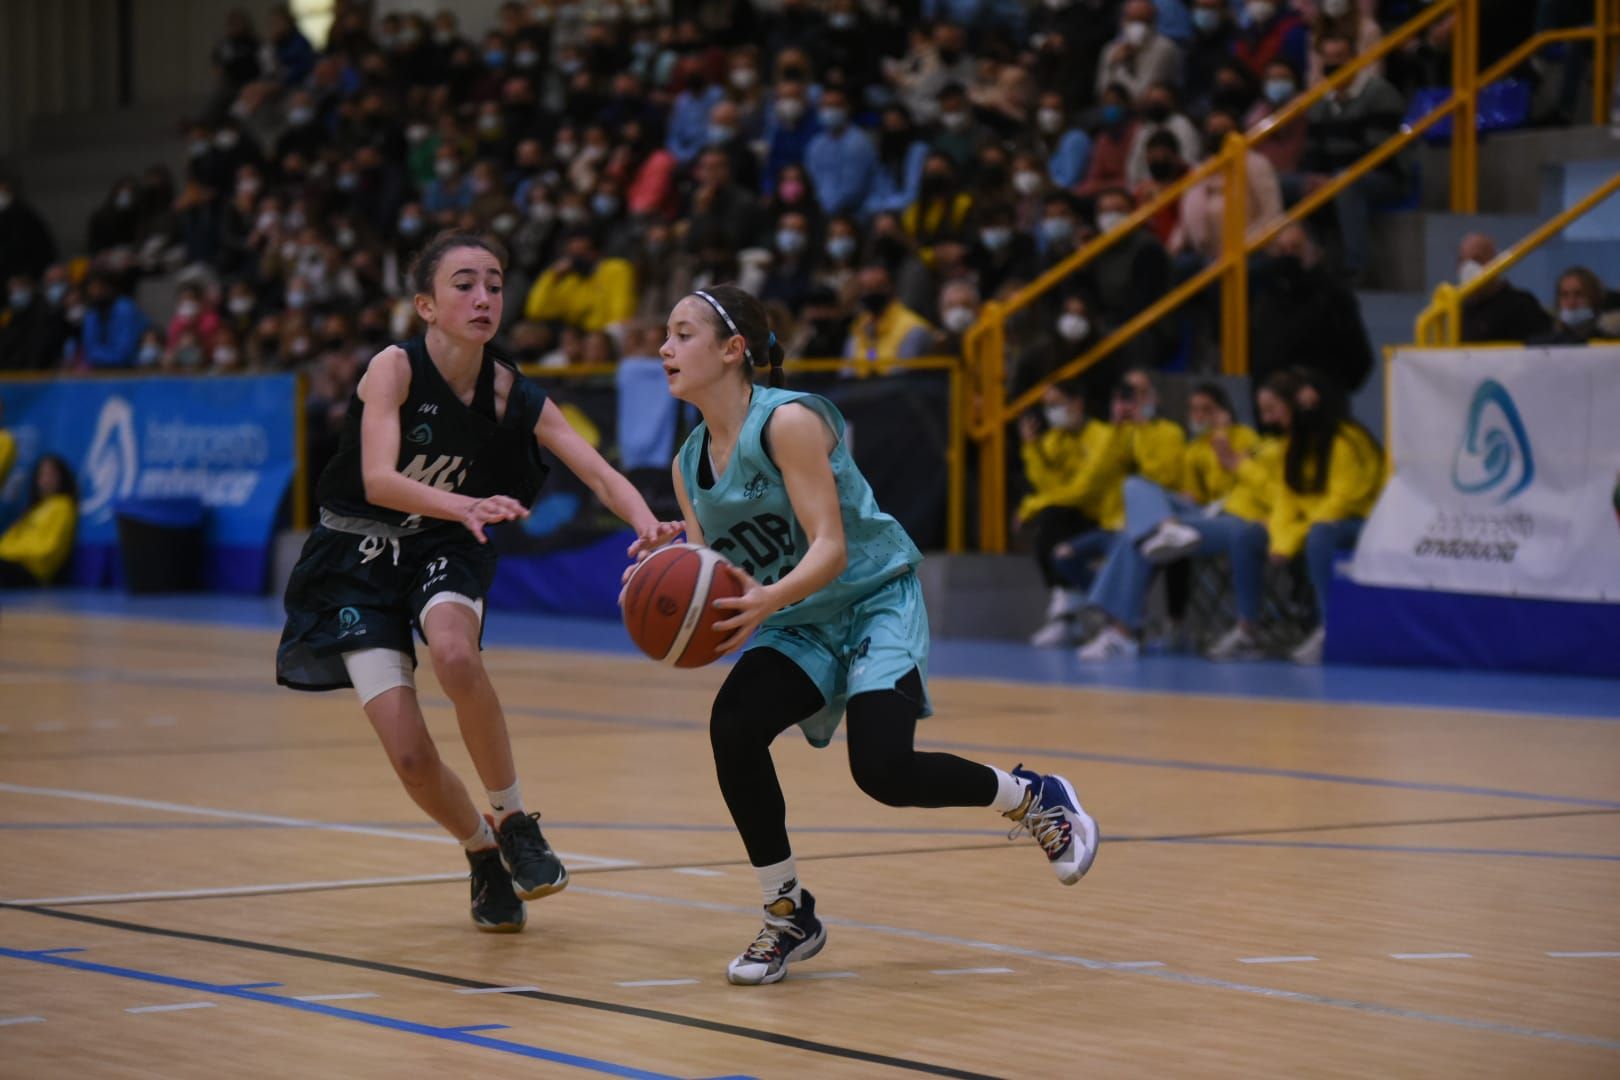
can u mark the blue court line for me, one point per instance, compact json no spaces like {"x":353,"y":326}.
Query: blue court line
{"x":464,"y":1035}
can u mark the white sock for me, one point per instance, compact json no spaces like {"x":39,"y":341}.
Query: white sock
{"x":1010,"y":791}
{"x":778,"y":880}
{"x":507,"y":800}
{"x":481,"y":840}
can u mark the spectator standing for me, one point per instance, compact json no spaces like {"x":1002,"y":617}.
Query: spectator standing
{"x":26,"y":246}
{"x":33,"y":334}
{"x":1301,"y":311}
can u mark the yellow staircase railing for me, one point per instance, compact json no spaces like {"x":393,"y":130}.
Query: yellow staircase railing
{"x":985,"y":345}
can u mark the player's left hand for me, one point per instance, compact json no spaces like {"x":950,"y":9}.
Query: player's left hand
{"x":753,"y":607}
{"x":651,"y":539}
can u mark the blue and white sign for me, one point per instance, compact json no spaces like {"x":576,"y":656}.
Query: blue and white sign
{"x":228,"y":441}
{"x":1505,"y":466}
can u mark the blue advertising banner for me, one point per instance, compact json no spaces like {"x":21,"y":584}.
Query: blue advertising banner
{"x":227,"y":441}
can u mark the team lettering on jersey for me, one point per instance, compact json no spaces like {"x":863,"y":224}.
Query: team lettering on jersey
{"x":445,"y":472}
{"x":766,"y":539}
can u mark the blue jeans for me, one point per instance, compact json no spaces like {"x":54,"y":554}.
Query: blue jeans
{"x":1075,"y":568}
{"x":1322,"y":545}
{"x":1122,"y":584}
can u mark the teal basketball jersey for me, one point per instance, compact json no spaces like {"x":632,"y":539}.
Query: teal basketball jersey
{"x":746,"y":516}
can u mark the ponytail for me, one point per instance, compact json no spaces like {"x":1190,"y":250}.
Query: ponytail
{"x":736,"y":313}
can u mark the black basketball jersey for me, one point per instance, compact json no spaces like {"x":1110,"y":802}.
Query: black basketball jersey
{"x":444,"y":443}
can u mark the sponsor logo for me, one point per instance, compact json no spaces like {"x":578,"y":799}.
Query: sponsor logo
{"x":756,"y":487}
{"x":421,"y":435}
{"x":1494,"y":457}
{"x":111,"y":465}
{"x":349,"y":623}
{"x":428,"y":408}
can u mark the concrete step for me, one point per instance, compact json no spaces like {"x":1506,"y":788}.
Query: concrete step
{"x":109,"y":127}
{"x":1511,"y":164}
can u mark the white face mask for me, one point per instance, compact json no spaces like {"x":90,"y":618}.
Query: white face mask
{"x":1050,"y":120}
{"x":1197,"y":427}
{"x":1136,"y":33}
{"x":954,"y":121}
{"x":187,"y":309}
{"x":241,"y":305}
{"x":1575,"y":316}
{"x":744,"y":78}
{"x":1057,"y":416}
{"x":1073,"y":326}
{"x":1259,"y":11}
{"x":1468,"y":270}
{"x":1335,"y":9}
{"x":445,"y":168}
{"x":1026,"y":182}
{"x":957,"y":319}
{"x":1108,"y":220}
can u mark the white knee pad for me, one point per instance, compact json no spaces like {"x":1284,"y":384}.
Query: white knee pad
{"x":374,"y":671}
{"x":449,"y":598}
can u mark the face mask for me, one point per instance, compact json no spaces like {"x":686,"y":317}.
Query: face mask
{"x":542,"y":212}
{"x":1073,"y":326}
{"x":489,"y":123}
{"x":789,"y":241}
{"x":240,"y":305}
{"x":1136,"y":33}
{"x":1057,"y":416}
{"x":289,"y":250}
{"x":248,"y":186}
{"x":1279,"y":90}
{"x":833,"y":119}
{"x":1058,"y":5}
{"x":75,"y":314}
{"x":1335,"y":9}
{"x":187,"y":309}
{"x":345,"y":238}
{"x":1208,"y":20}
{"x":573,"y":215}
{"x":494,"y":58}
{"x":744,"y":78}
{"x":1026,"y":182}
{"x":410,"y":226}
{"x":604,"y":205}
{"x":418,"y":133}
{"x":842,"y":20}
{"x":1050,"y":120}
{"x":443,"y":37}
{"x":347,"y":182}
{"x":644,"y":49}
{"x":1109,"y":220}
{"x":224,"y":356}
{"x":1197,"y":427}
{"x":296,"y":301}
{"x":1289,"y":266}
{"x":996,"y":238}
{"x":1259,"y":11}
{"x":1469,"y":270}
{"x":124,"y":200}
{"x":875,"y":302}
{"x":566,"y":151}
{"x":720,"y":133}
{"x":295,"y":219}
{"x":1575,"y":316}
{"x":1113,"y":114}
{"x":444,"y":168}
{"x":225,"y":140}
{"x":954,"y":121}
{"x":1057,"y":230}
{"x":1146,"y":411}
{"x":788,"y":110}
{"x":21,"y":298}
{"x":957,"y":319}
{"x":149,"y":355}
{"x":526,"y":59}
{"x":300,"y":347}
{"x":841,"y":248}
{"x":54,"y":293}
{"x":199,"y":147}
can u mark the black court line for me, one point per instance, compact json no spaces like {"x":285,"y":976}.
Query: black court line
{"x":678,"y":1019}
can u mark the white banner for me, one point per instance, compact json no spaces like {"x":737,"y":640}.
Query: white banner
{"x":1506,"y":462}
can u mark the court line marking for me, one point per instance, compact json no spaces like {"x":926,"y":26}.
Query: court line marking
{"x":1431,"y":956}
{"x":1136,"y":965}
{"x":447,"y":1034}
{"x":642,"y":1012}
{"x":12,"y":1021}
{"x":499,"y":990}
{"x":660,"y":982}
{"x":699,"y":871}
{"x":234,"y":890}
{"x":801,"y":976}
{"x":185,"y":1006}
{"x":1584,"y":955}
{"x":335,"y":997}
{"x":270,"y":819}
{"x":1276,"y":959}
{"x":1180,"y":977}
{"x":973,"y":971}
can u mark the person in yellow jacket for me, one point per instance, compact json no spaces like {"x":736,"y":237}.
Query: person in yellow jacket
{"x":885,"y":329}
{"x":583,"y":290}
{"x":37,"y":545}
{"x":8,"y":448}
{"x":1163,"y":525}
{"x":1076,"y":470}
{"x":1332,"y":473}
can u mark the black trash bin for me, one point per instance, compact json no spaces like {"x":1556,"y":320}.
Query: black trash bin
{"x":160,"y":542}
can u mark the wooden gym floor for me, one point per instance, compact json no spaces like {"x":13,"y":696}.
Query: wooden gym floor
{"x":202,"y":871}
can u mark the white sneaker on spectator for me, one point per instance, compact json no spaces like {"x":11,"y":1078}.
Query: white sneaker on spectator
{"x":1309,"y":651}
{"x":1236,"y":644}
{"x":1064,"y":602}
{"x":1056,"y":634}
{"x":1110,"y":644}
{"x":1170,"y":541}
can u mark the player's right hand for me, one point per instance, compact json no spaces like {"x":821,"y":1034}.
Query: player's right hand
{"x":488,"y":511}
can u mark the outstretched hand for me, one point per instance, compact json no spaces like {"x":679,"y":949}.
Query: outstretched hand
{"x":646,"y":542}
{"x":753,"y":607}
{"x":488,"y":511}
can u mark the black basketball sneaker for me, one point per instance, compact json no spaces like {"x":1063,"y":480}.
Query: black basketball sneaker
{"x":536,"y":871}
{"x":790,"y":934}
{"x":495,"y":907}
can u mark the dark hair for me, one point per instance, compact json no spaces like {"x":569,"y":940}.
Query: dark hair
{"x":1216,"y":393}
{"x":1314,"y":430}
{"x":426,"y":263}
{"x":749,"y":321}
{"x":1164,"y":140}
{"x":1589,"y":281}
{"x":70,"y":486}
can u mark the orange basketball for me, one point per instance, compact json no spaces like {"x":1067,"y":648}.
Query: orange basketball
{"x":669,"y":604}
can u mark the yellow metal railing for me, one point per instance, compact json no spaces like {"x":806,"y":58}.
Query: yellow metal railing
{"x":985,"y":343}
{"x":1441,"y":322}
{"x":955,"y":411}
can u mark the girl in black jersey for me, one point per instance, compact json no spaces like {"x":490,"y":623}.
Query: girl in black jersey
{"x":439,"y":438}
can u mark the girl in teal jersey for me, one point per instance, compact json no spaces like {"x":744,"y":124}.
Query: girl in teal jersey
{"x":831,"y":600}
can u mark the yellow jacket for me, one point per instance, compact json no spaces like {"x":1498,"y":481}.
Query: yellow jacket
{"x":1083,"y":469}
{"x":1203,"y":480}
{"x":42,"y":538}
{"x":1355,"y":477}
{"x":1157,"y":447}
{"x":1255,"y":487}
{"x":884,"y":338}
{"x":8,"y":454}
{"x":592,"y":303}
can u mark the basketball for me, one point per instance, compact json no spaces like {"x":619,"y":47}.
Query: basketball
{"x":669,"y":604}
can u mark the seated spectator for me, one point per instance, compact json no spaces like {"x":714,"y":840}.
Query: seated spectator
{"x":32,"y":333}
{"x":1165,"y":166}
{"x":235,"y":59}
{"x":1140,"y":56}
{"x":37,"y":545}
{"x":1299,"y":309}
{"x":1125,"y":279}
{"x":1160,"y":114}
{"x":1333,"y":470}
{"x":885,"y":329}
{"x":1272,"y":30}
{"x":958,"y":311}
{"x":1498,"y":311}
{"x":789,"y":280}
{"x":932,"y":64}
{"x":1000,"y":255}
{"x":449,"y":191}
{"x":1110,"y":142}
{"x":1154,"y":532}
{"x":788,"y":131}
{"x":940,"y":214}
{"x":583,"y":290}
{"x":1344,"y":127}
{"x":901,"y":157}
{"x":959,"y":134}
{"x":1285,"y":147}
{"x":1066,"y":147}
{"x":718,"y":206}
{"x":8,"y":448}
{"x":1203,"y":207}
{"x":726,"y":134}
{"x":1075,"y":469}
{"x":1051,"y":346}
{"x":1341,"y":18}
{"x":1213,"y":34}
{"x":1156,"y":444}
{"x":111,"y":331}
{"x":1058,"y":234}
{"x":26,"y":246}
{"x":841,"y":159}
{"x":116,"y":221}
{"x":841,"y":257}
{"x":194,"y":312}
{"x":1576,"y":304}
